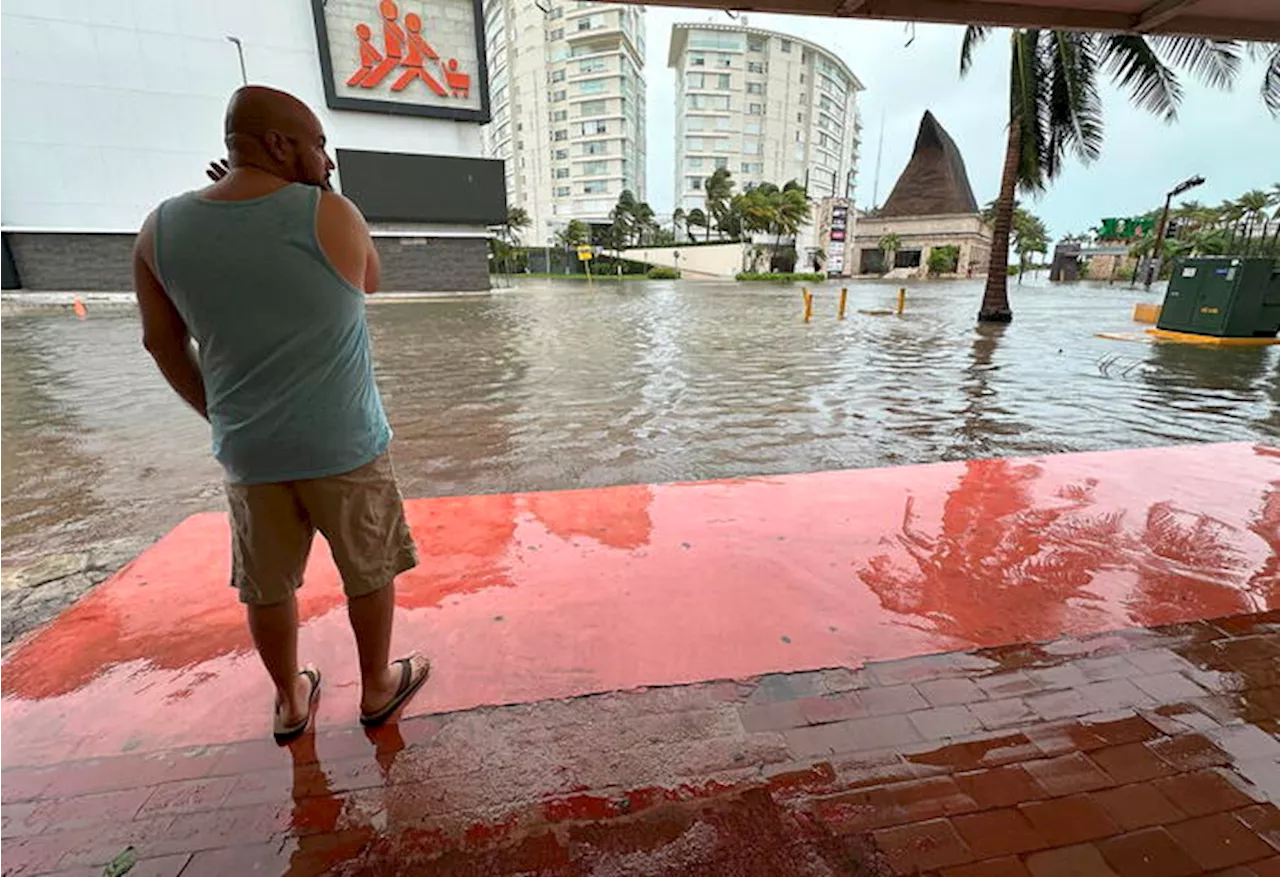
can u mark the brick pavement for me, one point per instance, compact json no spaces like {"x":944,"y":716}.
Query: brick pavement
{"x":1143,"y":752}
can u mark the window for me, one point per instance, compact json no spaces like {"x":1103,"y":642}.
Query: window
{"x":595,"y":147}
{"x":595,"y":86}
{"x":800,"y":116}
{"x":695,"y":80}
{"x":715,"y":40}
{"x":555,"y":12}
{"x":694,"y":164}
{"x":557,"y":34}
{"x":721,"y":144}
{"x":755,"y":66}
{"x":595,"y":187}
{"x":752,"y":167}
{"x":560,"y":154}
{"x":724,"y":123}
{"x":557,"y":96}
{"x":722,"y":82}
{"x":562,"y":134}
{"x":694,"y":183}
{"x":724,"y":60}
{"x":562,"y":173}
{"x":589,"y":128}
{"x":562,"y":191}
{"x":697,"y":60}
{"x":721,"y":163}
{"x":559,"y":115}
{"x":595,"y":168}
{"x":802,"y":79}
{"x":595,"y":65}
{"x":804,"y":57}
{"x":557,"y":76}
{"x":785,"y":45}
{"x":709,"y":102}
{"x":751,"y":147}
{"x":695,"y":123}
{"x":593,"y":108}
{"x":750,"y":127}
{"x":755,"y":44}
{"x":755,"y":88}
{"x":755,"y":109}
{"x":695,"y":144}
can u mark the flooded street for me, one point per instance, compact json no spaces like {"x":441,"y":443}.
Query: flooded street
{"x":554,"y":385}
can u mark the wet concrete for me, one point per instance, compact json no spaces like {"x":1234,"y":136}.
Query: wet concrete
{"x":526,"y":597}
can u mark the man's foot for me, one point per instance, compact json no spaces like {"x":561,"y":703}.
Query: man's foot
{"x":293,"y":716}
{"x":402,"y":679}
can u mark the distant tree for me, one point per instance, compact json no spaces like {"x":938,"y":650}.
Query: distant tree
{"x":697,"y":219}
{"x":718,"y":190}
{"x":678,"y":221}
{"x":889,"y":244}
{"x":575,"y":234}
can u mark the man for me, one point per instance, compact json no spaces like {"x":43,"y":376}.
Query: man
{"x":266,"y":271}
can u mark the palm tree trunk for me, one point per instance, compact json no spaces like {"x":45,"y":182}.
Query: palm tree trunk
{"x":995,"y":297}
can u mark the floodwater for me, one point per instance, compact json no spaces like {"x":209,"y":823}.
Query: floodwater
{"x":556,"y":385}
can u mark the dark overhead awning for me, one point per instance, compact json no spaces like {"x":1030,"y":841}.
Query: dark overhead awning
{"x":1227,"y":19}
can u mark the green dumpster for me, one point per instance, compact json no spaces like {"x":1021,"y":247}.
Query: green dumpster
{"x":1225,"y":296}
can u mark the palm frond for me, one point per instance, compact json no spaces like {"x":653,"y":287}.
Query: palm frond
{"x":1271,"y":81}
{"x":1216,"y":62}
{"x":973,"y":35}
{"x":1152,"y":85}
{"x":1027,"y":87}
{"x":1073,"y":111}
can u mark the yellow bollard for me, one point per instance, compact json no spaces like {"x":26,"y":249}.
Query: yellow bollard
{"x":808,"y":305}
{"x":844,"y":295}
{"x":902,"y":299}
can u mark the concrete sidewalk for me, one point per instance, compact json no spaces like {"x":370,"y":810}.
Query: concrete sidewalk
{"x":1141,"y":752}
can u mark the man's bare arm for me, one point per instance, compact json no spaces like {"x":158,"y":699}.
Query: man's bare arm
{"x":344,"y":237}
{"x":164,"y":334}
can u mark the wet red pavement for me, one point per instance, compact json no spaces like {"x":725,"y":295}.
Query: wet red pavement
{"x":139,"y":716}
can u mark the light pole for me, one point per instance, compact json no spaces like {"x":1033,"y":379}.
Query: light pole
{"x":244,"y":77}
{"x":1153,"y":263}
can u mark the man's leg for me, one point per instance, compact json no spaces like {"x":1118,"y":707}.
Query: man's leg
{"x":371,"y":617}
{"x":271,"y":538}
{"x":362,"y":516}
{"x":275,"y":635}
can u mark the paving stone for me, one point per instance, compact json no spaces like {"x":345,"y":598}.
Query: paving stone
{"x":892,"y":699}
{"x":1000,"y":786}
{"x":1188,"y":752}
{"x":1205,"y":791}
{"x":1068,"y":774}
{"x":996,"y":714}
{"x":1130,"y":763}
{"x":1083,"y":860}
{"x":1218,"y":841}
{"x":1146,"y":853}
{"x":1006,"y":866}
{"x":922,"y":846}
{"x":993,"y":833}
{"x":945,"y":722}
{"x":1263,"y":819}
{"x":1138,"y":806}
{"x":1070,"y":820}
{"x":947,"y":692}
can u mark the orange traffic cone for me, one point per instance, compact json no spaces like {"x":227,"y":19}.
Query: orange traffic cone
{"x":78,"y":307}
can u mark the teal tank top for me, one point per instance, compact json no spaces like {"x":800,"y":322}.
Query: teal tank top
{"x":283,"y":340}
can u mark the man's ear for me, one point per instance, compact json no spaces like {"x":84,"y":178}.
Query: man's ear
{"x":278,"y":145}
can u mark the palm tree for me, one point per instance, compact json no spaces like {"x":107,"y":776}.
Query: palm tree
{"x":697,"y":219}
{"x":1275,"y":202}
{"x":1271,"y":75}
{"x":575,"y":234}
{"x":889,"y":244}
{"x":517,"y":221}
{"x":678,"y":219}
{"x":719,"y":191}
{"x":1055,"y":109}
{"x":1253,"y":205}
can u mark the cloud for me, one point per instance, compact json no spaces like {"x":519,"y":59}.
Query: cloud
{"x":1226,"y":137}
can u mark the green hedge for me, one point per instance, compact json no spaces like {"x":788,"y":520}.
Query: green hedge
{"x":809,"y":277}
{"x":661,"y":272}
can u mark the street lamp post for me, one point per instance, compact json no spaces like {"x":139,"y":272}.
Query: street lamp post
{"x":244,"y":77}
{"x":1154,"y":260}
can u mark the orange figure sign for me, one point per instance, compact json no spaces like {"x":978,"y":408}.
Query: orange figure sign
{"x":369,"y":56}
{"x":78,"y":307}
{"x":393,"y":46}
{"x":414,"y":63}
{"x":460,"y":83}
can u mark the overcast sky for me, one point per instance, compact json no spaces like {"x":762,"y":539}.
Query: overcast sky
{"x":1226,"y":137}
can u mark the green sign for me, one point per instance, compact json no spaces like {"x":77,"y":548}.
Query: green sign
{"x":1126,"y":228}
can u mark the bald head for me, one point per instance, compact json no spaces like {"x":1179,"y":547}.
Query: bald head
{"x":274,"y":131}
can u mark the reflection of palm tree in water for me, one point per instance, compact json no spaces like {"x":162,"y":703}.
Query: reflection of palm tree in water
{"x":980,"y":429}
{"x":1187,"y":567}
{"x":1000,"y":564}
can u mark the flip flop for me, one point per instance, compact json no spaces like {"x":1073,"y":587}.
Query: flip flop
{"x":284,"y":735}
{"x":408,"y":686}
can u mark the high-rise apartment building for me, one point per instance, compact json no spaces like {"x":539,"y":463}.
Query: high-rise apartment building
{"x":767,"y":106}
{"x":567,"y":94}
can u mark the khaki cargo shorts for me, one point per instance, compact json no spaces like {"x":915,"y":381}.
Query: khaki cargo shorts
{"x":360,"y":514}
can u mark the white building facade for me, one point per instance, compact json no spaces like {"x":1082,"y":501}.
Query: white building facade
{"x":767,"y":106}
{"x":567,"y":94}
{"x":133,"y":113}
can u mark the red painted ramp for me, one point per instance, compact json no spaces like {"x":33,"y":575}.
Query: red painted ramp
{"x":544,"y":595}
